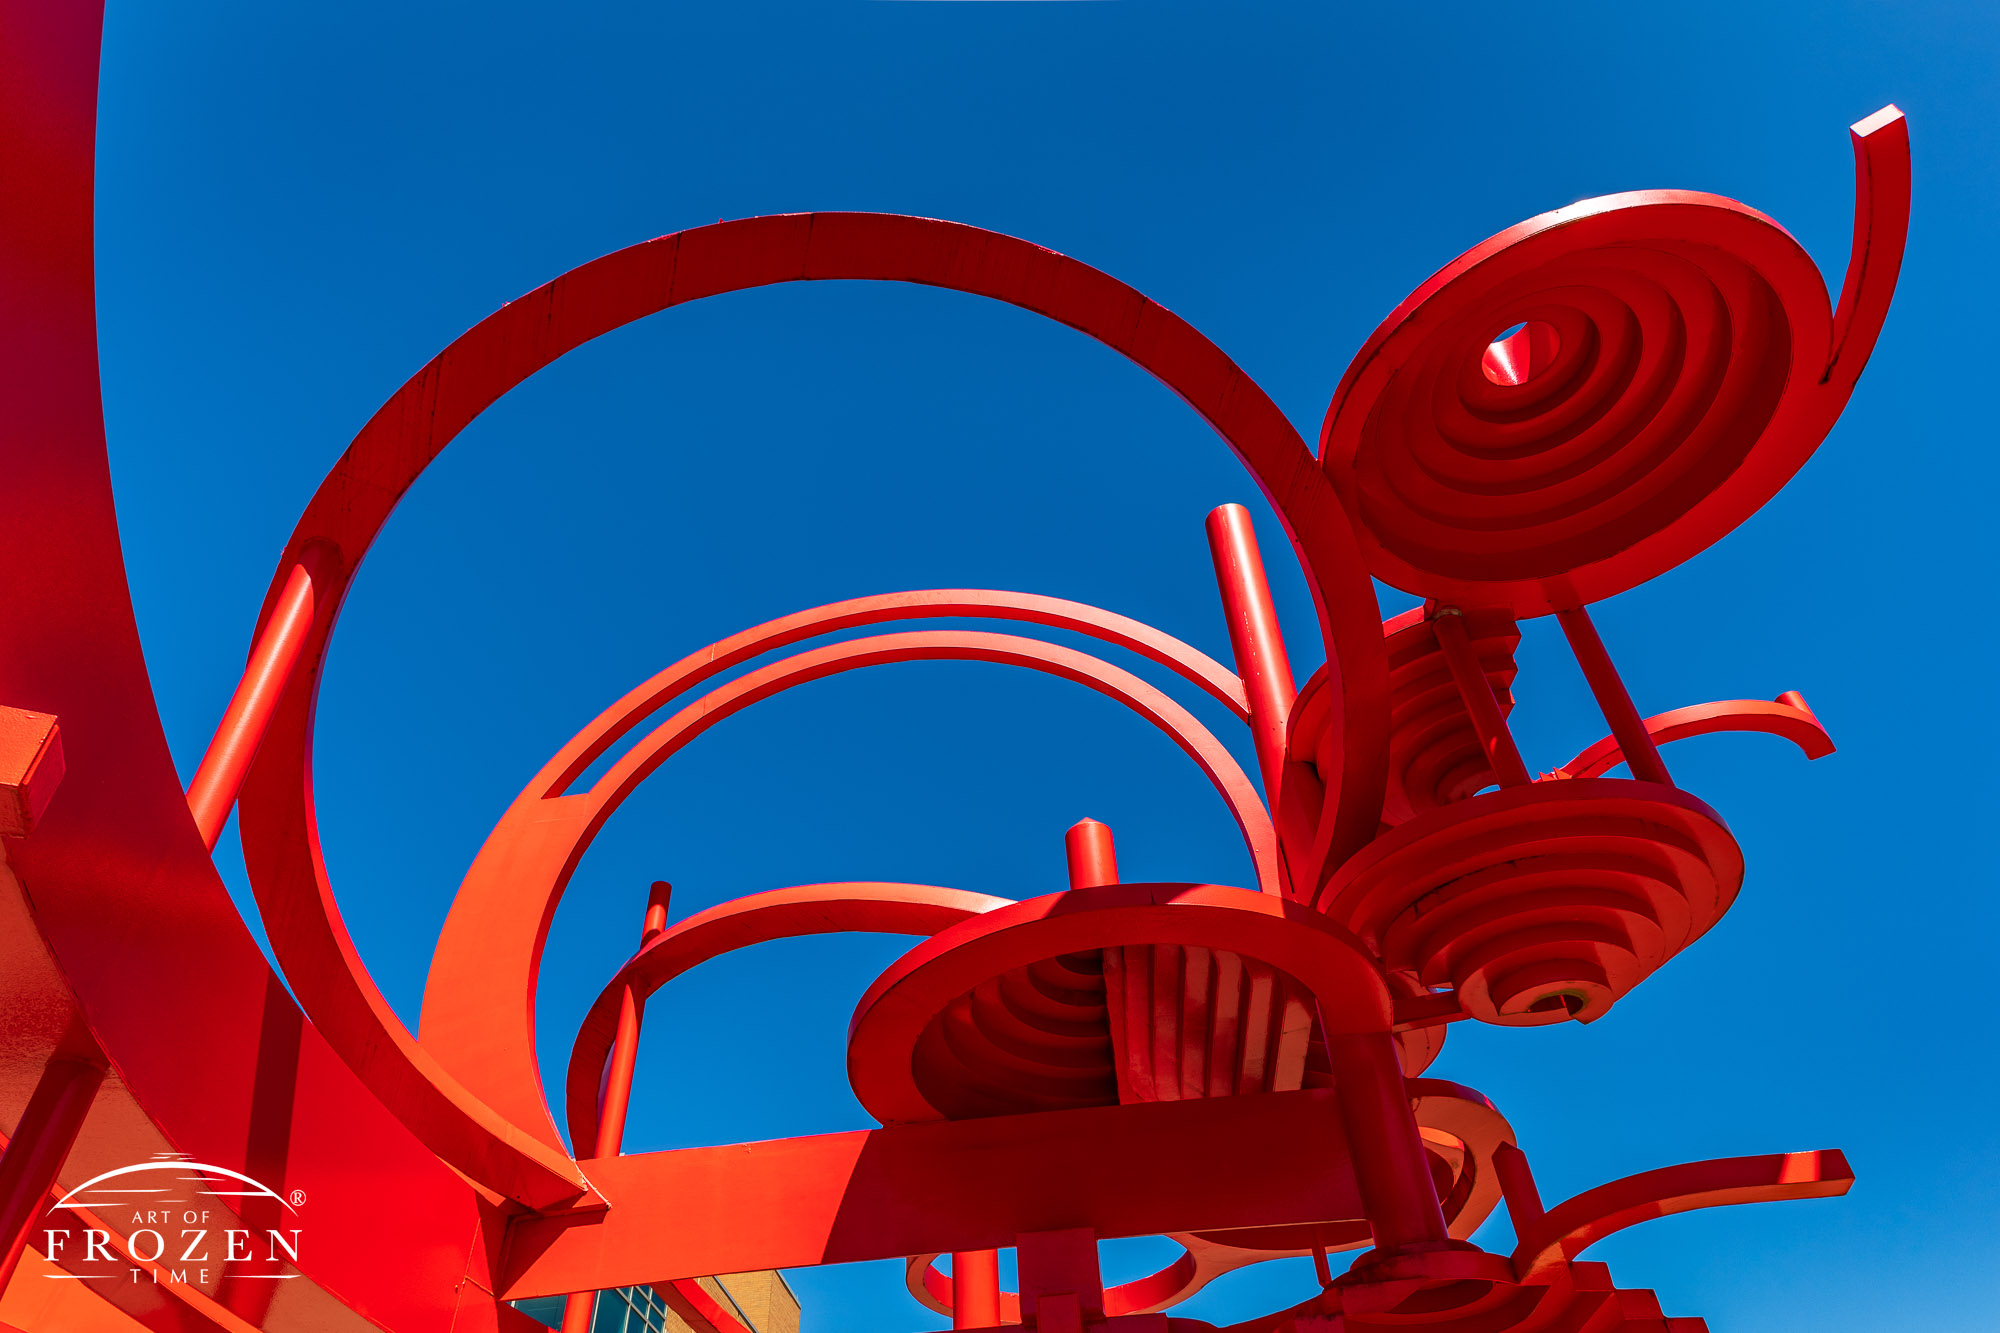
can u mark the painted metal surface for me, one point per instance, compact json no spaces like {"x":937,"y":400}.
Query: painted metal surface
{"x":1569,"y":409}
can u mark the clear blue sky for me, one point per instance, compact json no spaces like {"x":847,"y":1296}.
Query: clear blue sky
{"x":299,"y":205}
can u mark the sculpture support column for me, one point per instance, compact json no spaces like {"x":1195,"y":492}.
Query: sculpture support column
{"x":616,"y":1097}
{"x":975,"y":1289}
{"x":1062,"y":1288}
{"x":1389,"y":1163}
{"x":40,"y":1145}
{"x":1092,"y":857}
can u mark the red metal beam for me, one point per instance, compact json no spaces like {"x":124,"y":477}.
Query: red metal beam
{"x":41,"y":1142}
{"x":1272,"y":1159}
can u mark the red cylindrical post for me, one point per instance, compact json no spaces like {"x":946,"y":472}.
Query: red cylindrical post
{"x":1093,"y":862}
{"x":1254,"y":638}
{"x":616,"y":1096}
{"x":38,"y":1149}
{"x":577,"y":1309}
{"x":975,"y":1287}
{"x":1475,"y":688}
{"x":658,"y":899}
{"x":212,"y":794}
{"x":1321,"y":1268}
{"x":1397,"y":1191}
{"x":1635,"y":743}
{"x":1093,"y":856}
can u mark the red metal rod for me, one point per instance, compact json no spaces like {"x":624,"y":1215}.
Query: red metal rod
{"x":40,"y":1144}
{"x":616,"y":1097}
{"x":658,"y":899}
{"x":1093,"y":856}
{"x":212,"y":794}
{"x":975,"y":1288}
{"x":1476,"y":689}
{"x":1627,"y":727}
{"x":1254,"y":637}
{"x":1093,"y":861}
{"x":1389,"y":1162}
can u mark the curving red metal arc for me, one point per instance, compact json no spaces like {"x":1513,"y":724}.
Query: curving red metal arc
{"x":715,"y":659}
{"x":491,"y":942}
{"x":1786,"y":717}
{"x":491,"y":945}
{"x":522,"y":337}
{"x":1567,"y":1229}
{"x":807,"y":909}
{"x":281,"y":846}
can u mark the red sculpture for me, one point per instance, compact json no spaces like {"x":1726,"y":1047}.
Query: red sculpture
{"x":1565,"y":411}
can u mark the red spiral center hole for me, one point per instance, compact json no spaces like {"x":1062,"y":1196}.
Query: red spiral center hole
{"x":1521,"y":353}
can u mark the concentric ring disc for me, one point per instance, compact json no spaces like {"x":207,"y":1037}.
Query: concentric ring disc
{"x":1648,"y":404}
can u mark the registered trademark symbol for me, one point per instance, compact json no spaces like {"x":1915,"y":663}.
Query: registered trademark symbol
{"x":298,"y":1197}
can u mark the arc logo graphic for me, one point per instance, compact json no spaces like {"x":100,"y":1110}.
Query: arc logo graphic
{"x":177,"y":1221}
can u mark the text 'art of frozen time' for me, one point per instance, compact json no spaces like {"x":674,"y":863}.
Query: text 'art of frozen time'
{"x":1567,"y":410}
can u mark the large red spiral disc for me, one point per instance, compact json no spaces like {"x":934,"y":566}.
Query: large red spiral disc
{"x":1662,"y":338}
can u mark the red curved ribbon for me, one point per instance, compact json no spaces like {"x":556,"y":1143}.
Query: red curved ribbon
{"x":1787,"y":717}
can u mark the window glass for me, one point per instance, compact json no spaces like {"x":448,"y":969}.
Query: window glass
{"x":543,"y":1310}
{"x":611,"y":1312}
